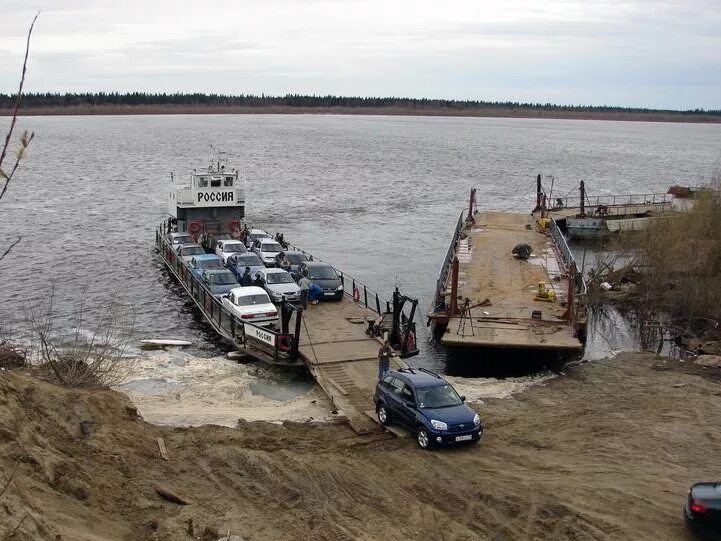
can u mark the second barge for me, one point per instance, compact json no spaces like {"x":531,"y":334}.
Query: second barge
{"x":490,"y":300}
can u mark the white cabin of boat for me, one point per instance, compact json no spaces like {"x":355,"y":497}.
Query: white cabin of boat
{"x":213,"y":201}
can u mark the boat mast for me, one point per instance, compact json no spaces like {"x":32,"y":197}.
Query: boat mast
{"x":583,"y":199}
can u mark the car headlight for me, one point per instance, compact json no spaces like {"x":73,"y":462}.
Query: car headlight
{"x":476,"y":420}
{"x":340,"y":288}
{"x":439,"y":425}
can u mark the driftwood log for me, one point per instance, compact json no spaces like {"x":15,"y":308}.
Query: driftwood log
{"x":167,"y":494}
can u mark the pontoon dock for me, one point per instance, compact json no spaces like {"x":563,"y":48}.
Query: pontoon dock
{"x":486,"y":297}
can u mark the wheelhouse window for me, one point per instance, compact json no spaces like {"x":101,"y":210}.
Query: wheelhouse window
{"x":202,"y":182}
{"x":215,"y":182}
{"x":228,"y":182}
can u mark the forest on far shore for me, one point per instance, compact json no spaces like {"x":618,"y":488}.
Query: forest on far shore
{"x":158,"y":103}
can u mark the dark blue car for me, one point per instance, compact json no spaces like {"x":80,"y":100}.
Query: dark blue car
{"x":703,"y":510}
{"x":428,"y":405}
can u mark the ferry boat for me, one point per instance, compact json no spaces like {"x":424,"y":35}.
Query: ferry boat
{"x":506,"y":302}
{"x":337,"y":341}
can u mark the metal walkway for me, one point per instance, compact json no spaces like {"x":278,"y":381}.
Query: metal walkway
{"x":343,"y":358}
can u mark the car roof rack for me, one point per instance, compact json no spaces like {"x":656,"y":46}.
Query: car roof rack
{"x":407,"y":369}
{"x":429,"y":372}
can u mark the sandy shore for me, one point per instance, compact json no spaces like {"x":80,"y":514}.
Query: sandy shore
{"x":605,"y":451}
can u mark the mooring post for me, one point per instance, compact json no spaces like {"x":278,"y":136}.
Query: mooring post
{"x":285,"y":313}
{"x":296,"y":337}
{"x":569,"y":314}
{"x":471,"y":205}
{"x":454,"y":287}
{"x":394,"y":338}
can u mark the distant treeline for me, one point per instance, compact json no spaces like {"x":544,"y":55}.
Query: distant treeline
{"x":57,"y":100}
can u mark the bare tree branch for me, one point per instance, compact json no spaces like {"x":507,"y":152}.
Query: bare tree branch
{"x":10,"y":479}
{"x":10,"y":534}
{"x":25,"y":139}
{"x":9,"y":248}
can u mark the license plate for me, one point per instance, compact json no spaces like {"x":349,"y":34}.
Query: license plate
{"x":329,"y":293}
{"x":466,"y":437}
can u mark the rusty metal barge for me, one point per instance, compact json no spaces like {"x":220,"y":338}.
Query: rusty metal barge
{"x":490,"y":300}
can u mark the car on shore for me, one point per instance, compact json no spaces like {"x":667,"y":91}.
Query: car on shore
{"x":228,"y":248}
{"x":280,"y":285}
{"x":266,"y":250}
{"x":239,"y":262}
{"x":325,"y":276}
{"x":251,"y":304}
{"x":200,"y":263}
{"x":295,"y":258}
{"x":428,"y":406}
{"x":219,"y":281}
{"x":187,"y":251}
{"x":703,"y":510}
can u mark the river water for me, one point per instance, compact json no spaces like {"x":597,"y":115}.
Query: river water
{"x":376,"y":196}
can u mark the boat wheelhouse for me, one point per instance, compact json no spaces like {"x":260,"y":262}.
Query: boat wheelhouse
{"x":213,"y":202}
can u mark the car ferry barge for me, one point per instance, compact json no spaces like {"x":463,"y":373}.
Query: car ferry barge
{"x":509,"y":284}
{"x":336,"y":340}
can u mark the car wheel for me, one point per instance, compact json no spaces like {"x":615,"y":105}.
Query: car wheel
{"x":384,"y":417}
{"x":423,"y":438}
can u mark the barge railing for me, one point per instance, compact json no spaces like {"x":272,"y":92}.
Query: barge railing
{"x":358,"y":291}
{"x":439,"y":297}
{"x":403,"y":327}
{"x":271,"y":346}
{"x":611,"y":201}
{"x":569,"y":261}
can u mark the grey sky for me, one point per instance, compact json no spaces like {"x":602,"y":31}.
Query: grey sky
{"x":653,"y":53}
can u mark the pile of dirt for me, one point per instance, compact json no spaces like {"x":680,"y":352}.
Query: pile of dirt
{"x":606,"y":451}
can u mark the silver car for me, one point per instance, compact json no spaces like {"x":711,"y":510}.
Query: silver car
{"x":280,"y":285}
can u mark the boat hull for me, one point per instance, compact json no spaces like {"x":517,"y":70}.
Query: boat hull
{"x":600,"y":228}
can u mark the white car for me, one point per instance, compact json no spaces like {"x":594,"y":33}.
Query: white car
{"x":226,"y":248}
{"x":255,"y":234}
{"x":267,"y":249}
{"x":280,"y":285}
{"x":253,"y":305}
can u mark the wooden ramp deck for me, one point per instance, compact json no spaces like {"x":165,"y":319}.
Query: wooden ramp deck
{"x":488,"y":270}
{"x":343,"y":358}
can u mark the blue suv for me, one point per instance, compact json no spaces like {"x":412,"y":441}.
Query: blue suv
{"x":427,"y":405}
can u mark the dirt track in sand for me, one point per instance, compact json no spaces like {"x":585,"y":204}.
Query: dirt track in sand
{"x":605,"y":452}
